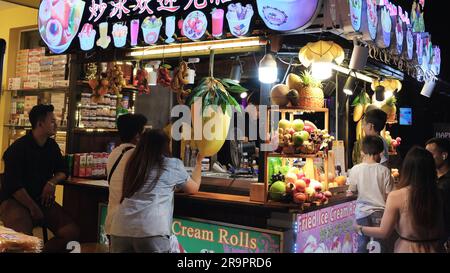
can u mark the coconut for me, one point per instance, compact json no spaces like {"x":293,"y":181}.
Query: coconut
{"x":279,"y":94}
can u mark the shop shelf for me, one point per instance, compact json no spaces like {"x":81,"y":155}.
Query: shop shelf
{"x":319,"y":154}
{"x":298,"y":109}
{"x":128,"y":87}
{"x":25,"y":127}
{"x":95,"y":130}
{"x":42,"y":90}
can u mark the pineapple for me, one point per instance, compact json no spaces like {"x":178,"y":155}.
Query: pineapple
{"x":311,"y":94}
{"x":390,"y":109}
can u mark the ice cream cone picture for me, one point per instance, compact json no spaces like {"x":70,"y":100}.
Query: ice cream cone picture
{"x":104,"y":39}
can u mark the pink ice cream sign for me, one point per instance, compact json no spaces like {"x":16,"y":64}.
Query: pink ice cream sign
{"x":328,"y":230}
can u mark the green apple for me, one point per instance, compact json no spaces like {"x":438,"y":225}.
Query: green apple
{"x":304,"y":135}
{"x":284,"y":124}
{"x":297,"y":139}
{"x":277,"y":190}
{"x":298,"y":125}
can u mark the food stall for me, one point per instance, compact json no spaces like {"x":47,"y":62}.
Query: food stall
{"x":131,"y":57}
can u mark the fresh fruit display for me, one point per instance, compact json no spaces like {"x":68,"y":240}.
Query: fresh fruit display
{"x":302,"y":137}
{"x":279,"y":95}
{"x":116,"y":79}
{"x":392,"y":143}
{"x":388,"y":84}
{"x":179,"y":81}
{"x":164,"y":78}
{"x":390,"y":109}
{"x":216,"y":98}
{"x":296,"y":187}
{"x":360,"y":103}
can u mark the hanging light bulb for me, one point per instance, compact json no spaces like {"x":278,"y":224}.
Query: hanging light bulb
{"x":388,"y":94}
{"x":236,"y":71}
{"x":268,"y":72}
{"x":244,"y":95}
{"x":321,"y":70}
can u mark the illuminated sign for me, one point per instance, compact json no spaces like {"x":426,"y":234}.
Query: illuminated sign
{"x":372,"y":18}
{"x":356,"y":13}
{"x":282,"y":15}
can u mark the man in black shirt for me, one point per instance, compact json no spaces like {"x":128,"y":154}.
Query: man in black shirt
{"x":33,"y":167}
{"x":440,"y":148}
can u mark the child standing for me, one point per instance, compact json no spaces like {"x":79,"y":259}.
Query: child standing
{"x":374,"y":122}
{"x":372,"y":182}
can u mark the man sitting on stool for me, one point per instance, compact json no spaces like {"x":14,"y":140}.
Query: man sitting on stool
{"x":33,"y":167}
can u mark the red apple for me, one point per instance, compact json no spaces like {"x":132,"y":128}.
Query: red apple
{"x":300,"y":185}
{"x":299,"y":197}
{"x":318,"y":196}
{"x":291,"y":131}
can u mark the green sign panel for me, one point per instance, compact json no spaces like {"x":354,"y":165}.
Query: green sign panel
{"x":196,"y":236}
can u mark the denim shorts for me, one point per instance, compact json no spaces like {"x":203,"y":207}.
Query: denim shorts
{"x":374,"y":220}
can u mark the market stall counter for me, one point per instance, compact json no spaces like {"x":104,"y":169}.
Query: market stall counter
{"x":219,"y":222}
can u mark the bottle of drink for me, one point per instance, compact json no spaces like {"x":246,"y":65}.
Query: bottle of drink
{"x":193,"y":157}
{"x":187,"y":155}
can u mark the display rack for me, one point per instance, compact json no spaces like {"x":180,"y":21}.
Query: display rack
{"x":289,"y":113}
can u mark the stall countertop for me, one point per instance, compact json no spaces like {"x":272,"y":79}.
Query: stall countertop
{"x":103,"y":184}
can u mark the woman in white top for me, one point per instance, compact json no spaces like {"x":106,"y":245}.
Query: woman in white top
{"x":144,"y":218}
{"x":414,"y":210}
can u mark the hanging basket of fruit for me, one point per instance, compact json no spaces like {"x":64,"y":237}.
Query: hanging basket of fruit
{"x":116,"y":79}
{"x":311,"y":94}
{"x":217,"y":103}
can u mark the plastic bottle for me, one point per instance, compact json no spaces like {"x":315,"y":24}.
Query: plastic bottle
{"x":187,"y":155}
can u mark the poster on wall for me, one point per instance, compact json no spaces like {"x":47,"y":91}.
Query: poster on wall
{"x":200,"y":236}
{"x":328,"y":230}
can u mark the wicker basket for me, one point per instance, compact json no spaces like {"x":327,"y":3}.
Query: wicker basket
{"x":311,"y":102}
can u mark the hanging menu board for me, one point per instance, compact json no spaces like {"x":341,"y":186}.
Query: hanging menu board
{"x":104,"y":24}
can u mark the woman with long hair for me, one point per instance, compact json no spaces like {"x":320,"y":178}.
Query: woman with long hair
{"x":414,"y":210}
{"x":144,"y":218}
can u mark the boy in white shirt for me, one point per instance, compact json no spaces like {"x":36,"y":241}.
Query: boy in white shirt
{"x":372,"y":182}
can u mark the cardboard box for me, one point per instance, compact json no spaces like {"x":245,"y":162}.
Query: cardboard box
{"x":46,"y":84}
{"x":14,"y":83}
{"x":83,"y":160}
{"x":61,"y":83}
{"x":89,"y":164}
{"x":30,"y":85}
{"x":76,"y":165}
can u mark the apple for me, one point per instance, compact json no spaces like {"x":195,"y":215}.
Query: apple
{"x":284,"y":124}
{"x":328,"y":194}
{"x":304,"y":135}
{"x":290,"y":187}
{"x":290,"y":178}
{"x":319,"y":196}
{"x":298,"y":125}
{"x":300,"y":185}
{"x":291,"y":131}
{"x":299,"y":197}
{"x":297,"y":138}
{"x":308,"y":129}
{"x":398,"y":139}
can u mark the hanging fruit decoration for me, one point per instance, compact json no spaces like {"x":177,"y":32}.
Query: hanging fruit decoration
{"x":388,"y":105}
{"x":179,"y":81}
{"x":164,"y":78}
{"x":321,"y":51}
{"x":388,"y":84}
{"x":142,"y":81}
{"x":116,"y":79}
{"x":216,"y":100}
{"x":91,"y":76}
